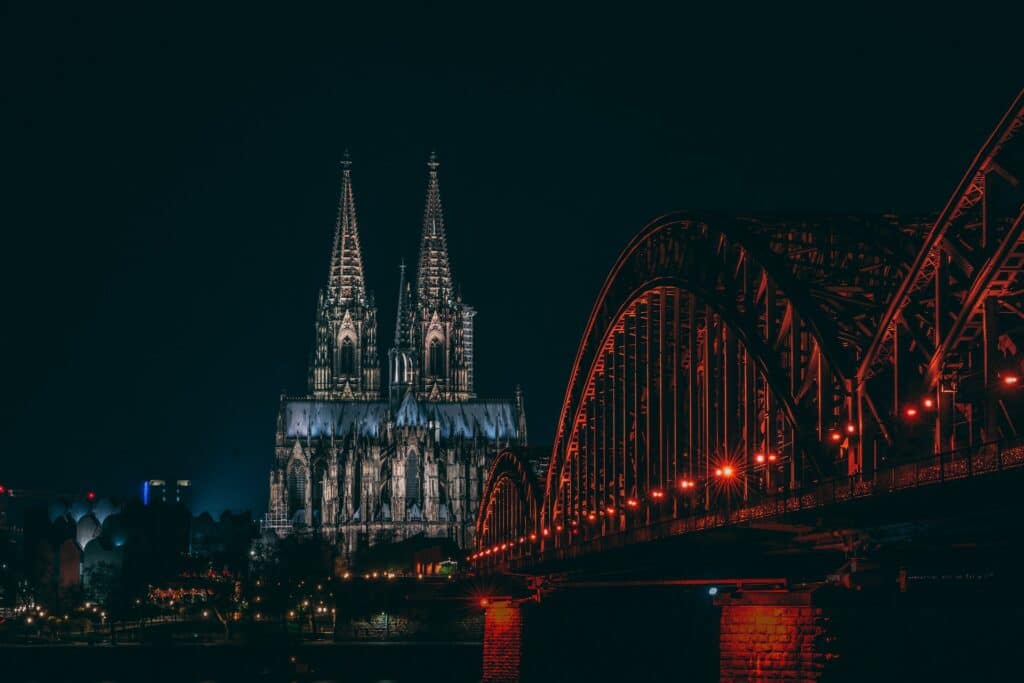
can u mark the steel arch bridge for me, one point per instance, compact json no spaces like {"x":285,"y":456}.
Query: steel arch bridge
{"x":729,"y":360}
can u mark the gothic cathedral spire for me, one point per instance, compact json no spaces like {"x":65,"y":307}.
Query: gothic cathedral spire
{"x":433,"y":277}
{"x":345,"y":281}
{"x":345,"y":349}
{"x":440,"y":346}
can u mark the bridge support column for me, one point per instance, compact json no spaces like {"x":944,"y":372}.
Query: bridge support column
{"x":503,"y":641}
{"x":770,"y":635}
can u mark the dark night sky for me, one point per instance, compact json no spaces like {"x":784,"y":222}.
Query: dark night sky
{"x":170,"y":181}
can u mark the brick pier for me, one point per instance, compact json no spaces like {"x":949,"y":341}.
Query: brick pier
{"x":771,"y":636}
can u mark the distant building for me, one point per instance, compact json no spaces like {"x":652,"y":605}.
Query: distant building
{"x":361,"y":463}
{"x":169,"y":491}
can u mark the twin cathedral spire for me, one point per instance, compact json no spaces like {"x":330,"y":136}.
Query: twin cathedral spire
{"x":432,"y":354}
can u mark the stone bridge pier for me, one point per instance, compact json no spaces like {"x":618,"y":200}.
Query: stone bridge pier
{"x":806,"y":634}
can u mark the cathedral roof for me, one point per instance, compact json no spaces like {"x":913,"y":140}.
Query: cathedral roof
{"x":338,"y":418}
{"x":490,"y":419}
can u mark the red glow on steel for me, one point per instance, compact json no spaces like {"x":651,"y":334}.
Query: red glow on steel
{"x":484,"y":602}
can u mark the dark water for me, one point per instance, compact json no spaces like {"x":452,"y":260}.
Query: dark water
{"x":355,"y":663}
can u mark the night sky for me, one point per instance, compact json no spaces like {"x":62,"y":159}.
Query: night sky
{"x":170,"y":184}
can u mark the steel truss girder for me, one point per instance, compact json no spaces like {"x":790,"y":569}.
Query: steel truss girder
{"x":691,"y":253}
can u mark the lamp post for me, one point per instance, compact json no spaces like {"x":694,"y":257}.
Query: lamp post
{"x":726,"y":474}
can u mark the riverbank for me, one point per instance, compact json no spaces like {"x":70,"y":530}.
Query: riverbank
{"x":458,"y":662}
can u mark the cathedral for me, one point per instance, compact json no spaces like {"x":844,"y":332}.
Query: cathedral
{"x":360,"y":463}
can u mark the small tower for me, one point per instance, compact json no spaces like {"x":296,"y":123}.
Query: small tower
{"x":401,"y":368}
{"x":345,"y":352}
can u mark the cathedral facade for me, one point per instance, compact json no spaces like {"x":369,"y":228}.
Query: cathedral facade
{"x":360,"y":463}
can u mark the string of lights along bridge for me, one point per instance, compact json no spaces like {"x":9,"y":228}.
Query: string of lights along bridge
{"x":738,"y":367}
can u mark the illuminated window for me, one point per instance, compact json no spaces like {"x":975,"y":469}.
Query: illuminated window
{"x":347,"y":363}
{"x":436,"y":358}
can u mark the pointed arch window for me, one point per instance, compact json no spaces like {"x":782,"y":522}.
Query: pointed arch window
{"x":436,"y":358}
{"x":297,"y":475}
{"x":316,"y":499}
{"x":413,"y":481}
{"x":347,"y":357}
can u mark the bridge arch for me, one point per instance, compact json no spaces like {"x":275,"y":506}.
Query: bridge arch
{"x":510,"y":504}
{"x":767,"y":353}
{"x":784,"y":350}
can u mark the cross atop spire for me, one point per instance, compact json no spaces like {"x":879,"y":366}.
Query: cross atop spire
{"x":345,"y":281}
{"x":433,"y":277}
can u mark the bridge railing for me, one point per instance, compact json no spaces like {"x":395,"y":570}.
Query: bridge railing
{"x":933,"y":470}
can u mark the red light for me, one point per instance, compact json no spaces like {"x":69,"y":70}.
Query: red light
{"x":772,"y":457}
{"x":504,"y":546}
{"x":657,"y":494}
{"x":718,"y":471}
{"x":759,"y":457}
{"x":522,"y":539}
{"x":911,"y":411}
{"x":2,"y":490}
{"x":591,"y":516}
{"x":928,"y":402}
{"x":835,"y":436}
{"x":546,"y":532}
{"x":632,"y":502}
{"x":851,"y":428}
{"x":686,"y":484}
{"x":1010,"y":379}
{"x":559,"y":528}
{"x":484,"y":602}
{"x":610,"y":510}
{"x":91,"y":495}
{"x":533,"y":537}
{"x":727,"y":471}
